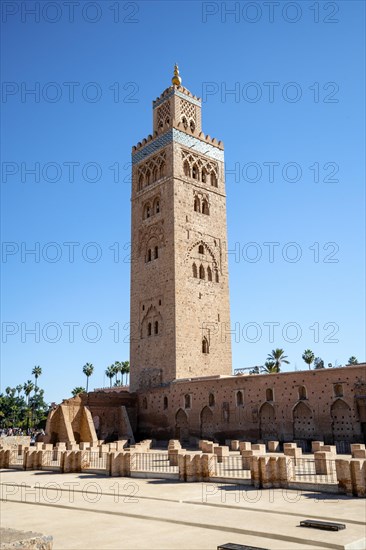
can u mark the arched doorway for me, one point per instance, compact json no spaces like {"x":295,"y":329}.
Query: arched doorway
{"x":181,"y":426}
{"x":303,"y":420}
{"x":267,"y":428}
{"x":207,"y":425}
{"x":341,"y":421}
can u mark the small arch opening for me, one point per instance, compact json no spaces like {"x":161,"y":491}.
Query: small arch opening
{"x":202,"y":272}
{"x":269,"y":394}
{"x":302,"y":392}
{"x":205,"y":345}
{"x":194,"y":269}
{"x":213,"y":179}
{"x":209,"y":274}
{"x":211,"y":400}
{"x":156,"y":252}
{"x":165,"y":405}
{"x":149,"y":328}
{"x":186,"y":169}
{"x":192,"y":126}
{"x":239,"y":398}
{"x":187,"y":401}
{"x":338,"y":390}
{"x":195,"y":172}
{"x":201,"y":249}
{"x":156,"y":327}
{"x":197,"y":204}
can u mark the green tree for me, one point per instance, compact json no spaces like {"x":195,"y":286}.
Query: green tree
{"x":308,"y":356}
{"x":37,"y":371}
{"x":270,"y":366}
{"x":77,"y":390}
{"x":318,"y":363}
{"x":125,"y":370}
{"x":88,"y":370}
{"x":110,"y":373}
{"x":254,"y":370}
{"x":277,"y":357}
{"x":352,"y":360}
{"x":19,"y":388}
{"x":28,"y":388}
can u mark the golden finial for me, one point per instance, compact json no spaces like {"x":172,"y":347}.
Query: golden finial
{"x":176,"y":80}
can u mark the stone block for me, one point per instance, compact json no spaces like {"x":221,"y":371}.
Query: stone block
{"x":245,"y":446}
{"x":323,"y":462}
{"x":316,"y":446}
{"x":220,"y":452}
{"x":359,"y":453}
{"x":273,"y":446}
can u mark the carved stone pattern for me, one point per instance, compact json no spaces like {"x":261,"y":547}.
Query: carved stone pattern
{"x":156,"y":230}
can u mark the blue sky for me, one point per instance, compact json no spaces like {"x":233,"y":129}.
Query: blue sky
{"x":293,"y":129}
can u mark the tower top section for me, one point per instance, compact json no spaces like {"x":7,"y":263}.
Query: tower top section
{"x":177,"y":117}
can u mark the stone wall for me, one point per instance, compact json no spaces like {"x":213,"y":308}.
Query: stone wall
{"x":259,"y":407}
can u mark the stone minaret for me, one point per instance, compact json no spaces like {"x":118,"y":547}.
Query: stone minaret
{"x":180,"y":313}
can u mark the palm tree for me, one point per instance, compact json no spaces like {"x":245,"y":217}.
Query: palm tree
{"x":88,"y":370}
{"x":277,"y":357}
{"x":118,"y":369}
{"x":28,"y":388}
{"x":125,"y":370}
{"x":77,"y":390}
{"x":353,"y":360}
{"x":308,"y":357}
{"x":19,"y":388}
{"x":270,"y":366}
{"x":110,"y":373}
{"x":37,"y":371}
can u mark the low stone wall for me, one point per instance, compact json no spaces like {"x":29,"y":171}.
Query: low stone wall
{"x":251,"y":463}
{"x":14,"y":440}
{"x":12,"y":538}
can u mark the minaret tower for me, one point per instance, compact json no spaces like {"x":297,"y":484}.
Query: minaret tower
{"x":180,"y":313}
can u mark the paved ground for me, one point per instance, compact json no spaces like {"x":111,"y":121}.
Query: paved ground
{"x":85,"y":511}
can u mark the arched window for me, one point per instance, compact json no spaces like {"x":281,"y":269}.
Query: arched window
{"x":269,"y":394}
{"x":157,"y":207}
{"x":141,"y":182}
{"x":192,"y":126}
{"x":302,"y":392}
{"x":187,"y":401}
{"x":213,"y":179}
{"x":167,"y":120}
{"x":217,"y":276}
{"x":165,"y":402}
{"x":144,"y":403}
{"x":197,"y":204}
{"x":186,"y":169}
{"x":204,"y":175}
{"x":149,"y":329}
{"x":155,"y":174}
{"x":239,"y":398}
{"x":185,"y":122}
{"x":202,"y":272}
{"x":149,"y":255}
{"x":201,"y":249}
{"x":205,"y":345}
{"x":338,"y":390}
{"x":147,"y":211}
{"x":205,"y":207}
{"x":156,"y":327}
{"x":194,"y":269}
{"x":211,"y":400}
{"x":156,"y":250}
{"x":162,"y":169}
{"x":148,"y":177}
{"x":209,"y":274}
{"x":195,"y":172}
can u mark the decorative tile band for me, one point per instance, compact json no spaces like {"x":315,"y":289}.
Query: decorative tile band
{"x":182,"y":138}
